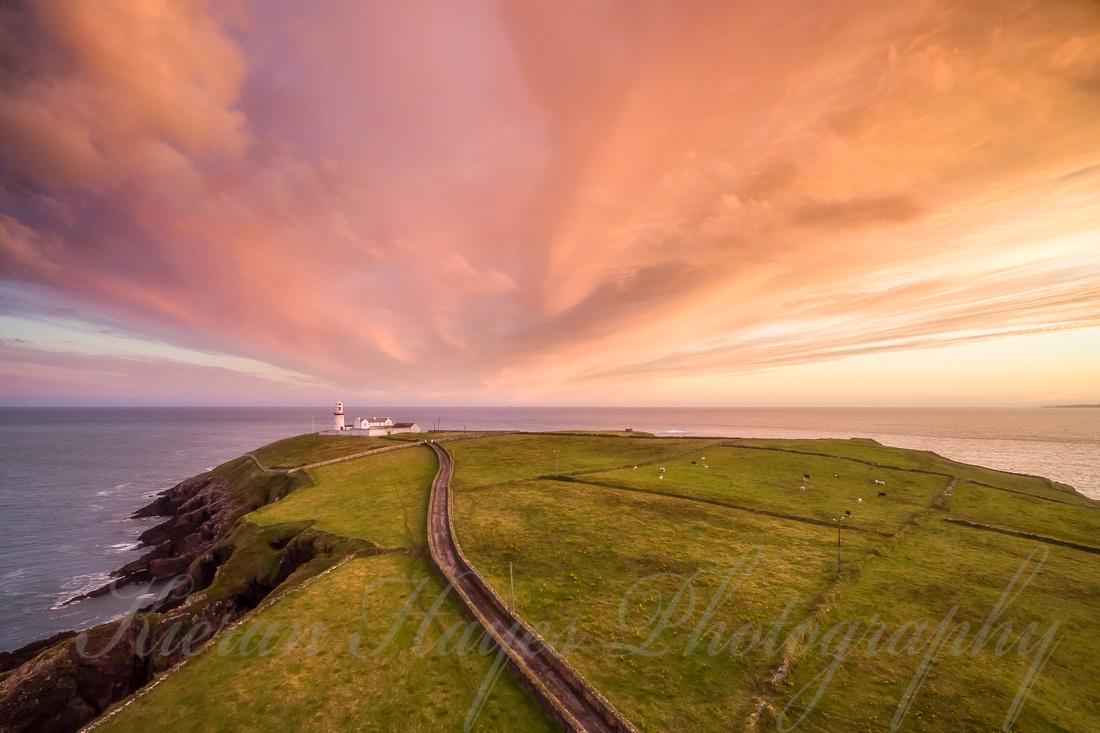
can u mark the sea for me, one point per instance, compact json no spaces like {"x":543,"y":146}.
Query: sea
{"x":70,"y":479}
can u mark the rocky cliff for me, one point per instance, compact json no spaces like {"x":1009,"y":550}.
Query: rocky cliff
{"x":59,"y":684}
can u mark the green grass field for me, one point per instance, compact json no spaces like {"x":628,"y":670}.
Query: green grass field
{"x":702,"y":597}
{"x":504,"y":458}
{"x":872,"y":452}
{"x":935,"y":569}
{"x":576,"y":551}
{"x":311,"y":680}
{"x":304,"y":450}
{"x":380,"y":500}
{"x":578,"y":545}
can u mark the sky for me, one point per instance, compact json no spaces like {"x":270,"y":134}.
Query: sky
{"x":623,"y":202}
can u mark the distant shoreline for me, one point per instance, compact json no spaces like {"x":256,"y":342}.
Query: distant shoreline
{"x":1068,"y":406}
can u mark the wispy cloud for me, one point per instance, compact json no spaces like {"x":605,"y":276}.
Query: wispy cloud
{"x":505,"y":200}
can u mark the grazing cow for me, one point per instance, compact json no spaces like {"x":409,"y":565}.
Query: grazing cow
{"x":662,"y":469}
{"x":860,"y":500}
{"x":802,"y":487}
{"x":661,"y":477}
{"x":836,"y":475}
{"x":880,"y":482}
{"x":705,"y":466}
{"x":635,"y":468}
{"x":882,"y":493}
{"x":693,"y":463}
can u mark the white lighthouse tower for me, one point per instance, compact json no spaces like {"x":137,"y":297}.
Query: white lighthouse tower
{"x":338,"y":417}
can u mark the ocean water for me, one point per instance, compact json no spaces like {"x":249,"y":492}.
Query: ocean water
{"x":71,"y":478}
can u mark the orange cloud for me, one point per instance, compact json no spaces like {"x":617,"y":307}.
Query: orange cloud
{"x":508,"y":199}
{"x":115,"y":90}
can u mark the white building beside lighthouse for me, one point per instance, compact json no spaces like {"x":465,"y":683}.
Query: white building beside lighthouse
{"x":366,"y":423}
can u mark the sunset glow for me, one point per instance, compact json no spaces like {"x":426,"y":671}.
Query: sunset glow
{"x":722,"y":203}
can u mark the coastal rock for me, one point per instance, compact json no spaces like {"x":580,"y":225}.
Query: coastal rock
{"x":43,"y":698}
{"x":170,"y":567}
{"x":71,"y":683}
{"x":200,"y":510}
{"x":59,"y":684}
{"x":19,"y":657}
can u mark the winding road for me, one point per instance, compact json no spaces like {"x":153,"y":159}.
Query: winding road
{"x":560,"y":688}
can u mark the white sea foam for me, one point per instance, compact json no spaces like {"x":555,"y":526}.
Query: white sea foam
{"x":79,"y":585}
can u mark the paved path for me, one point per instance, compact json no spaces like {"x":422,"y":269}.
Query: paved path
{"x":567,"y":695}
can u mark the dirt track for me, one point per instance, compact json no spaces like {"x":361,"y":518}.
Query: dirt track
{"x":557,"y":686}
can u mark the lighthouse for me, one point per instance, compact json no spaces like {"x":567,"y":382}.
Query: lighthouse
{"x":338,"y":417}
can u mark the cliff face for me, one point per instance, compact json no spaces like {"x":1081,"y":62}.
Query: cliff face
{"x":201,"y":510}
{"x":59,"y":684}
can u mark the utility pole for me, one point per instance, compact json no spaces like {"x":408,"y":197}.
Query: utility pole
{"x":511,"y":589}
{"x":555,"y":463}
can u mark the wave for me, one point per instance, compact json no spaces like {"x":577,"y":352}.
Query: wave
{"x":79,"y":585}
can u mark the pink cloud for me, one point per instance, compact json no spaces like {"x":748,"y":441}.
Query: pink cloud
{"x":499,"y":196}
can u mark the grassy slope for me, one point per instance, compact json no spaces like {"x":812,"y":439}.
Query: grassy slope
{"x":934,"y":569}
{"x":303,"y":450}
{"x":773,"y":481}
{"x":1025,"y":514}
{"x":869,"y":450}
{"x":233,"y":687}
{"x":576,"y":551}
{"x":382,"y":500}
{"x":577,"y":544}
{"x":576,"y":547}
{"x":515,"y":457}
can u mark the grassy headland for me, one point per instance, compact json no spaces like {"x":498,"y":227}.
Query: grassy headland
{"x":329,"y":682}
{"x":611,"y":549}
{"x":665,"y":577}
{"x":304,"y":450}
